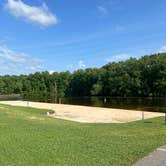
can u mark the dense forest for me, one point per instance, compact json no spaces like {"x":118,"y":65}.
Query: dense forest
{"x":131,"y":78}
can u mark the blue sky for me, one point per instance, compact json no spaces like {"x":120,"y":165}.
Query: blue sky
{"x":64,"y":35}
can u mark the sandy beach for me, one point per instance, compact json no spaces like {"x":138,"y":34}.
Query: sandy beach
{"x":85,"y":114}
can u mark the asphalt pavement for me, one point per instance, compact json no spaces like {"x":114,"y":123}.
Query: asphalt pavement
{"x":157,"y":158}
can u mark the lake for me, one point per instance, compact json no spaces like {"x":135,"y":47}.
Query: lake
{"x":10,"y":97}
{"x":154,"y":104}
{"x":157,"y":104}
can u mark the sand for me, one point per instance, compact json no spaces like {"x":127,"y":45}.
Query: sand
{"x":85,"y":114}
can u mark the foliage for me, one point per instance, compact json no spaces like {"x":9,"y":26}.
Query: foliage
{"x":143,"y":77}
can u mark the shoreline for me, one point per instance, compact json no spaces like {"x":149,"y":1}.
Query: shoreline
{"x":87,"y":114}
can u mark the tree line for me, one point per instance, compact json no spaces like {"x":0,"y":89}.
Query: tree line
{"x":131,"y":78}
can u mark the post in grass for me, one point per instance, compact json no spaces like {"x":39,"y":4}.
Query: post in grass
{"x":27,"y":103}
{"x":143,"y":115}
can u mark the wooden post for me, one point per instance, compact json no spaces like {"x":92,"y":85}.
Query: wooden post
{"x":143,"y":115}
{"x":27,"y":103}
{"x":55,"y":93}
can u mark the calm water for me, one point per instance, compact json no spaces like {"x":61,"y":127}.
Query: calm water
{"x":10,"y":97}
{"x":146,"y":104}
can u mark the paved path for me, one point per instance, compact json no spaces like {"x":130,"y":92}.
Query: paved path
{"x":157,"y":158}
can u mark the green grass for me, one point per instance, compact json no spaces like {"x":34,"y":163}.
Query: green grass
{"x":31,"y":139}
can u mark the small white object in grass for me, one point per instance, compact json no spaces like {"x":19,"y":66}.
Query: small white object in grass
{"x":48,"y":113}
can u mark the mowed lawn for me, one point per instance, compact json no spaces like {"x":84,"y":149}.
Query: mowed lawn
{"x":31,"y":139}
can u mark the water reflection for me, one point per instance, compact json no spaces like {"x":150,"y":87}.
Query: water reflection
{"x":157,"y":104}
{"x":146,"y":104}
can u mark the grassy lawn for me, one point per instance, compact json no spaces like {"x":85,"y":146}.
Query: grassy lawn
{"x":29,"y":138}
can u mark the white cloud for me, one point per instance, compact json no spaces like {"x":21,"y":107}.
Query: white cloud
{"x":71,"y":67}
{"x":14,"y":62}
{"x":102,"y":9}
{"x":81,"y":64}
{"x":162,"y":49}
{"x":12,"y":56}
{"x":38,"y":15}
{"x":51,"y":71}
{"x":118,"y":57}
{"x":109,"y":5}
